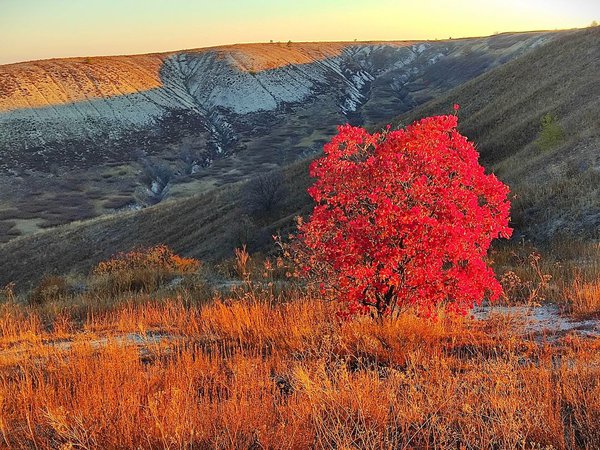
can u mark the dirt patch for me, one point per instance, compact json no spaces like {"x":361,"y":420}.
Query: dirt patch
{"x":544,"y":320}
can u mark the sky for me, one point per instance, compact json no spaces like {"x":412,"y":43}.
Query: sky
{"x":40,"y":29}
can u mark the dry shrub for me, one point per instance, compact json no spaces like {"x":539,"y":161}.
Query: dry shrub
{"x":264,"y":194}
{"x":51,"y":288}
{"x":141,"y":270}
{"x":7,"y":293}
{"x":242,"y":258}
{"x":241,"y":266}
{"x":524,"y":277}
{"x":18,"y":324}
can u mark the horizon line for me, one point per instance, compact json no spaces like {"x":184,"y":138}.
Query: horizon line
{"x":374,"y":41}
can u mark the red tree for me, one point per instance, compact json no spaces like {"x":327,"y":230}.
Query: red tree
{"x":403,"y":218}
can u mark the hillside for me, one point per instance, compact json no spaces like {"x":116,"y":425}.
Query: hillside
{"x":207,"y":226}
{"x":500,"y":110}
{"x":556,"y":188}
{"x":83,"y":137}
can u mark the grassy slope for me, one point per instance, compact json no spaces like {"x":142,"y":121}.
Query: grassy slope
{"x":207,"y":226}
{"x":557,"y":189}
{"x":500,"y":111}
{"x":104,"y":172}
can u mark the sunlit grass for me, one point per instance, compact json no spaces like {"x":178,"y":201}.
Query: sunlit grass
{"x":249,"y":370}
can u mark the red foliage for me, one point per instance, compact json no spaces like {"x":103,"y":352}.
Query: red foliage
{"x":403,"y":218}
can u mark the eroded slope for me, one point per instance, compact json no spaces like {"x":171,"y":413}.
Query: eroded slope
{"x":87,"y":136}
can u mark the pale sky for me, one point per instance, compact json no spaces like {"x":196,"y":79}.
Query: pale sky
{"x":40,"y":29}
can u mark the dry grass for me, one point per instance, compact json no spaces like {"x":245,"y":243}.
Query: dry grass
{"x":49,"y":289}
{"x":103,"y":77}
{"x":254,"y":372}
{"x":565,"y":272}
{"x":584,"y":297}
{"x":141,"y":270}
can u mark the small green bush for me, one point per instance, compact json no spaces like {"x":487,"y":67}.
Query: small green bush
{"x":551,"y":133}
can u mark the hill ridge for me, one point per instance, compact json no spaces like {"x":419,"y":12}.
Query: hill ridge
{"x":88,"y":136}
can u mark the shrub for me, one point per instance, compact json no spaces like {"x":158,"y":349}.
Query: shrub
{"x":142,"y":270}
{"x":551,"y":133}
{"x":264,"y":193}
{"x":403,"y":218}
{"x":50,"y":288}
{"x":191,"y":157}
{"x":157,"y":177}
{"x":526,"y":282}
{"x":244,"y":231}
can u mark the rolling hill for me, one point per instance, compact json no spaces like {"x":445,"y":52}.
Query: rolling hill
{"x":556,"y":188}
{"x":83,"y":137}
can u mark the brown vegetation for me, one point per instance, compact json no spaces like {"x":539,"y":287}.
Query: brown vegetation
{"x":206,"y":227}
{"x":140,"y":270}
{"x":268,"y":365}
{"x":264,"y":193}
{"x":564,"y":273}
{"x":254,"y":371}
{"x":51,"y":288}
{"x":583,"y":297}
{"x":34,"y":84}
{"x":263,"y":363}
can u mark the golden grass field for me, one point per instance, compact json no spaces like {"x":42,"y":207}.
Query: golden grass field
{"x":261,"y":366}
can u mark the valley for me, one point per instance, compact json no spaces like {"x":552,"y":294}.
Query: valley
{"x":85,"y":137}
{"x":203,"y":213}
